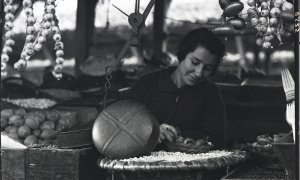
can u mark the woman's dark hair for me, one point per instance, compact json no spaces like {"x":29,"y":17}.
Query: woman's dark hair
{"x":201,"y":37}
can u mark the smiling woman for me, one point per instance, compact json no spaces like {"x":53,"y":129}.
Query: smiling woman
{"x":197,"y":66}
{"x":199,"y":54}
{"x":182,"y":98}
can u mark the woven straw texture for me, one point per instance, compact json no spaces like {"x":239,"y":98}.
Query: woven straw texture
{"x":210,"y":163}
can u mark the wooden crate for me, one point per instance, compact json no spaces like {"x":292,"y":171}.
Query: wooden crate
{"x":13,"y":164}
{"x":53,"y":163}
{"x":48,"y":163}
{"x":81,"y":133}
{"x":169,"y":175}
{"x":255,"y":172}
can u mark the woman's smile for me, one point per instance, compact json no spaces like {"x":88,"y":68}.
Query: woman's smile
{"x":196,"y":67}
{"x":195,"y":79}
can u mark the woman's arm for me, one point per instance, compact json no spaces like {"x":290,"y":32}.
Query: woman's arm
{"x":214,"y":116}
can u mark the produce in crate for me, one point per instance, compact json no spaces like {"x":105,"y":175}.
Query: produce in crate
{"x":261,"y":149}
{"x":33,"y":127}
{"x":3,"y":122}
{"x":262,"y":143}
{"x":264,"y":139}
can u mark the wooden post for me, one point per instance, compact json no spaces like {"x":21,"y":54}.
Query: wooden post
{"x":241,"y":50}
{"x":158,"y":29}
{"x":256,"y":56}
{"x":267,"y":61}
{"x":84,"y":31}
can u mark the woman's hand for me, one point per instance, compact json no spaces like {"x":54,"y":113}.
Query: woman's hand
{"x":167,"y":133}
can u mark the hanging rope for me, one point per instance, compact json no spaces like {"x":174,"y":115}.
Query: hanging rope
{"x":107,"y":86}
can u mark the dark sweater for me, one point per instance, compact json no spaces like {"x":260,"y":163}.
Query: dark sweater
{"x":198,"y":111}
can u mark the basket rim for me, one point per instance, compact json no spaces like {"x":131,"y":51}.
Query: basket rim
{"x":234,"y":158}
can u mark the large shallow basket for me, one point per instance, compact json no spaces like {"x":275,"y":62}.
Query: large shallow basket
{"x":143,"y":164}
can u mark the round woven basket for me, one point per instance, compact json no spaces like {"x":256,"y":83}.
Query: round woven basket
{"x":210,"y":163}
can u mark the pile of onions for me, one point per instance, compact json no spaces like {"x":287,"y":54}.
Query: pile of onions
{"x":8,"y":37}
{"x":36,"y":35}
{"x":264,"y":16}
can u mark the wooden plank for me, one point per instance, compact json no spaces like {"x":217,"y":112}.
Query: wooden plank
{"x":85,"y":114}
{"x":65,"y":164}
{"x":50,"y":164}
{"x":88,"y":168}
{"x":53,"y":163}
{"x":13,"y":164}
{"x":76,"y":138}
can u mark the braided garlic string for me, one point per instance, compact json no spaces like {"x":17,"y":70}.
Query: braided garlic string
{"x":35,"y":39}
{"x":264,"y":17}
{"x":8,"y":37}
{"x":28,"y":49}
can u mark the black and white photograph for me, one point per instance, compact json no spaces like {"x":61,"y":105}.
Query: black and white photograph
{"x":150,"y":89}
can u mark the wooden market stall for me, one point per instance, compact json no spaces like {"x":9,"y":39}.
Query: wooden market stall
{"x":255,"y":107}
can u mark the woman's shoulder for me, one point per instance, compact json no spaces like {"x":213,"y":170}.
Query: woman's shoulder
{"x":208,"y":84}
{"x":151,"y":75}
{"x":212,"y":84}
{"x":211,"y":87}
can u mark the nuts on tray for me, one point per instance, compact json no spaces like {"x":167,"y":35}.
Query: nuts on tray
{"x":178,"y":156}
{"x":33,"y":103}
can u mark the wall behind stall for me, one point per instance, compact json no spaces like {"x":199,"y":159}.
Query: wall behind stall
{"x":253,"y":111}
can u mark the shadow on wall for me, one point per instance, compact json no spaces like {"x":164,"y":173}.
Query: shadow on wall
{"x":253,"y":111}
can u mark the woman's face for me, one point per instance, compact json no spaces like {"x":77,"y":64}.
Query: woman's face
{"x":197,"y":66}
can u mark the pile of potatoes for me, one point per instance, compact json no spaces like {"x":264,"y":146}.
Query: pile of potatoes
{"x":32,"y":127}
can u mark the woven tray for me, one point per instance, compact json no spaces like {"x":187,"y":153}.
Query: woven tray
{"x":11,"y":103}
{"x":210,"y":163}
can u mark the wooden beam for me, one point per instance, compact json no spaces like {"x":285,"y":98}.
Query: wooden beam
{"x":84,"y":31}
{"x":267,"y":61}
{"x":158,"y":30}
